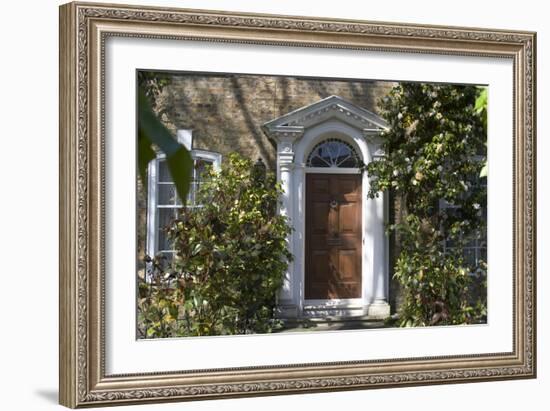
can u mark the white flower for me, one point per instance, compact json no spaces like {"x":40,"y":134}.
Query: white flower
{"x":477,"y":206}
{"x":395,"y":173}
{"x":400,"y":116}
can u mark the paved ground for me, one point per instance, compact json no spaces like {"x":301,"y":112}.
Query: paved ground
{"x":331,"y":324}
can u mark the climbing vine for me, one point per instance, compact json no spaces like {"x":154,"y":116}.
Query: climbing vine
{"x":435,"y":147}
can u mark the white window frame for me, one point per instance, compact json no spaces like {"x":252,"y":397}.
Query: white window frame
{"x":151,"y":248}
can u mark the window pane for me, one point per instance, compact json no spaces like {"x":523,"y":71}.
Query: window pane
{"x":168,"y":202}
{"x":164,"y":174}
{"x":316,"y":161}
{"x":199,"y":170}
{"x":192,"y":199}
{"x":470,"y":256}
{"x":201,"y":166}
{"x":333,"y":153}
{"x":167,"y":194}
{"x":165,"y":216}
{"x":167,"y":257}
{"x":348,"y":162}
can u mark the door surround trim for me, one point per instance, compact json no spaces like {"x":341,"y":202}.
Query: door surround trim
{"x":296,"y":134}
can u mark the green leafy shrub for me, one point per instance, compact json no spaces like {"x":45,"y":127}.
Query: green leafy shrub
{"x":159,"y":306}
{"x":230,"y":258}
{"x":433,"y":146}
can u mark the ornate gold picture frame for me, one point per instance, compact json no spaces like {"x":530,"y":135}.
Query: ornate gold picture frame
{"x":85,"y":28}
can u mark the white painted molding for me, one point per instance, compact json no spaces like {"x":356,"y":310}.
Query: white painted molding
{"x":185,"y":137}
{"x":330,"y":107}
{"x":296,"y":134}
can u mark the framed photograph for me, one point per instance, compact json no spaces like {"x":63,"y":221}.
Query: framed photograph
{"x":259,"y":204}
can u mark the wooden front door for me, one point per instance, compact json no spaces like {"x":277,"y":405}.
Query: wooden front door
{"x":333,"y":236}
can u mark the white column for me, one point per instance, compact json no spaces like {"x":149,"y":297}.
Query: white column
{"x":289,"y":299}
{"x":298,"y":187}
{"x":379,"y":306}
{"x":285,"y":158}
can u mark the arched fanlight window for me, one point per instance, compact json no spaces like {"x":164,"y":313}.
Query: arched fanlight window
{"x":333,"y":153}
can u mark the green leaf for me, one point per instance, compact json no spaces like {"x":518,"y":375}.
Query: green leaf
{"x":481,"y":107}
{"x":481,"y":101}
{"x":145,"y":155}
{"x":197,"y":249}
{"x":484,"y":170}
{"x":152,"y":132}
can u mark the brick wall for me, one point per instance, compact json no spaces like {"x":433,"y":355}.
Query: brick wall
{"x":226,"y":112}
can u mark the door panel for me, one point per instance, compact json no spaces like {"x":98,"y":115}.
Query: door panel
{"x":319,"y":220}
{"x":321,"y":264}
{"x":347,"y":217}
{"x":333,"y":236}
{"x":347,"y":264}
{"x":321,"y":185}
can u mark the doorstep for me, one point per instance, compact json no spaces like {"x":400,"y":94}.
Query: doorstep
{"x":332,"y":324}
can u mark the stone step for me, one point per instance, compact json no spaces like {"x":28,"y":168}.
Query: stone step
{"x":331,"y":324}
